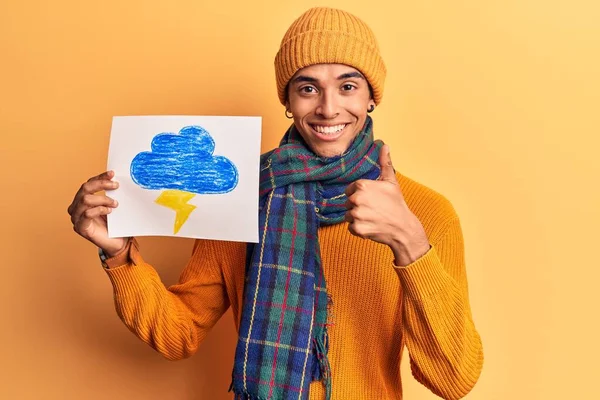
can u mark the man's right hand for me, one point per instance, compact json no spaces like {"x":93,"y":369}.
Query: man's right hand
{"x":88,"y":213}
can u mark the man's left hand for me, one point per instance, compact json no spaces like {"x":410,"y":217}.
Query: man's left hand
{"x":376,"y":210}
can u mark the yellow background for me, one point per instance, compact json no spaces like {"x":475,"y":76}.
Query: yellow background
{"x":495,"y":104}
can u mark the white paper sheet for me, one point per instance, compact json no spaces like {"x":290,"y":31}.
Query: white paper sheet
{"x":182,"y":174}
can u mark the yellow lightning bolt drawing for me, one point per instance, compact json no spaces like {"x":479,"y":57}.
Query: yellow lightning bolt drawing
{"x":177,"y":200}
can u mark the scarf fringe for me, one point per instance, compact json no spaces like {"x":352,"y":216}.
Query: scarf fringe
{"x":321,"y":371}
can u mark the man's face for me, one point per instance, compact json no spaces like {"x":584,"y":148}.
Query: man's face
{"x":329,"y":103}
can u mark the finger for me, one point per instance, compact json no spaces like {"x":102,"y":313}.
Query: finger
{"x":92,"y":186}
{"x":353,"y":215}
{"x":355,"y":186}
{"x":348,"y":218}
{"x":361,"y":229}
{"x":105,"y":175}
{"x":92,"y":213}
{"x":350,"y":189}
{"x":97,"y":185}
{"x":88,"y":217}
{"x":91,"y":201}
{"x":349,"y":204}
{"x":87,"y":189}
{"x":356,"y":230}
{"x":354,"y":200}
{"x":385,"y":163}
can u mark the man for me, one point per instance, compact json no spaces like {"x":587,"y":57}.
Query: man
{"x":354,"y":261}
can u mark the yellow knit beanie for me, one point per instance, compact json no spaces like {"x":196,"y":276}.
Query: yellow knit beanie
{"x":326,"y":35}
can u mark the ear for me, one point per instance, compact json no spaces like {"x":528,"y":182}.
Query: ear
{"x":371,"y":106}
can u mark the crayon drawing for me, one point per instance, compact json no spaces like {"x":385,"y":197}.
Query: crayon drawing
{"x":185,"y":176}
{"x":182,"y":165}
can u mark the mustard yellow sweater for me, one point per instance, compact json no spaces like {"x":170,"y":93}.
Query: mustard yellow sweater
{"x":378,"y":308}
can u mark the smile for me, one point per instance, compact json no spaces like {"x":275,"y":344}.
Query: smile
{"x":328,"y":132}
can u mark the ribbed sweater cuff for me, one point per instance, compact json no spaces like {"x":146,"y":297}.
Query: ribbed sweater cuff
{"x":425,"y":277}
{"x":130,"y":254}
{"x":127,"y":271}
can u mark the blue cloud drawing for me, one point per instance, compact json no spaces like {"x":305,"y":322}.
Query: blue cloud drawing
{"x":184,"y":161}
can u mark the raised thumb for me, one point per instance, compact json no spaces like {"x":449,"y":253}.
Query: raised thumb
{"x":385,"y":163}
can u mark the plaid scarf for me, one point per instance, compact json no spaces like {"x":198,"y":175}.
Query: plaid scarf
{"x":282,"y":344}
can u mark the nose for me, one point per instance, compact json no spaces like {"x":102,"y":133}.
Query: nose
{"x":327,"y":107}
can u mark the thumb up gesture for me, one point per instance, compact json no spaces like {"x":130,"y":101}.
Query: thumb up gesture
{"x":376,"y":210}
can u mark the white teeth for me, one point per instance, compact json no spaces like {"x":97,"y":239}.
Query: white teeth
{"x":329,"y":129}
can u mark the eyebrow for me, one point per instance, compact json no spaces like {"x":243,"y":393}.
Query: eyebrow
{"x":304,"y":78}
{"x":354,"y":74}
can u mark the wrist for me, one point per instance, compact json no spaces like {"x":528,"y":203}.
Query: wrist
{"x":405,"y":256}
{"x":408,"y":249}
{"x":120,"y":257}
{"x":111,"y":252}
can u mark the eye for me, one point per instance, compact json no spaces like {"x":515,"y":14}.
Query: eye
{"x":348,"y":87}
{"x":308,"y":89}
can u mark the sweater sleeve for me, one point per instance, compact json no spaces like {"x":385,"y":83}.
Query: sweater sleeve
{"x":172,"y":320}
{"x":445,"y":350}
